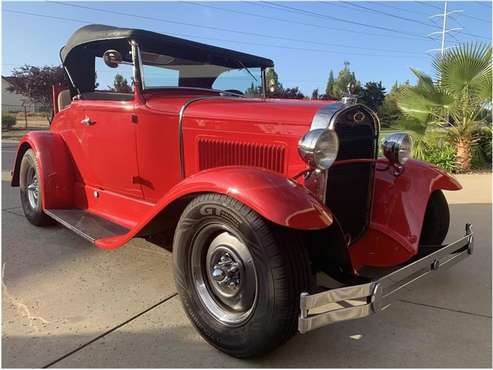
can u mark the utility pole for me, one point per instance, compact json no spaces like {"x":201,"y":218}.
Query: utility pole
{"x":444,"y":30}
{"x":444,"y":27}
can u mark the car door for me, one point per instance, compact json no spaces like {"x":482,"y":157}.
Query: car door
{"x":106,"y":140}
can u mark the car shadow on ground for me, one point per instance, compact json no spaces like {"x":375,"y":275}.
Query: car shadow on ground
{"x":456,"y":326}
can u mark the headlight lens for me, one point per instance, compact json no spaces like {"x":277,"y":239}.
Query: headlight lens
{"x":319,"y":148}
{"x":397,"y":148}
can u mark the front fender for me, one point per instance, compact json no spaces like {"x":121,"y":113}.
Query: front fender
{"x":273,"y":196}
{"x":399,"y":206}
{"x":55,"y":166}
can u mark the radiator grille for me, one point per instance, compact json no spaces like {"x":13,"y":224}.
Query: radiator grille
{"x":216,"y":153}
{"x":350,"y":186}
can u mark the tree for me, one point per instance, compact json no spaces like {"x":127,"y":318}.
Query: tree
{"x":288,"y":93}
{"x":292,"y":93}
{"x":36,"y":82}
{"x":343,"y":79}
{"x":272,"y":78}
{"x":456,"y":98}
{"x":329,"y":89}
{"x":373,"y":95}
{"x":276,"y":90}
{"x":389,"y":112}
{"x":120,"y":84}
{"x":315,"y":94}
{"x":254,"y":91}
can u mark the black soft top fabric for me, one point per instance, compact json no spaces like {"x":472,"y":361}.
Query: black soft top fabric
{"x":159,"y":43}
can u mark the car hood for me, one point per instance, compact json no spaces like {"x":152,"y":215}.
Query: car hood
{"x":283,"y":111}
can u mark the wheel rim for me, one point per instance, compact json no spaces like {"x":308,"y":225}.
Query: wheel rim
{"x":32,"y":188}
{"x":224,"y":275}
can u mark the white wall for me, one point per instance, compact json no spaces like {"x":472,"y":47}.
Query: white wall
{"x":12,"y":102}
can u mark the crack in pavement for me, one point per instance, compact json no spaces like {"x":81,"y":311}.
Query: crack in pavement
{"x":12,"y":213}
{"x":445,"y":308}
{"x":22,"y":308}
{"x":9,"y":208}
{"x":110,"y":330}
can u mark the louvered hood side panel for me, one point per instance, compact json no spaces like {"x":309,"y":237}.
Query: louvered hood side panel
{"x":217,"y":153}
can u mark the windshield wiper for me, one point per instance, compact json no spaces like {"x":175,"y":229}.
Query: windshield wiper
{"x":246,"y":69}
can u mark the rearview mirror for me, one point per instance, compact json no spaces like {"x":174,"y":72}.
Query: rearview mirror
{"x":112,"y":58}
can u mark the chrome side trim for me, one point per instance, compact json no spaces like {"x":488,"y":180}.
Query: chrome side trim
{"x":366,"y":299}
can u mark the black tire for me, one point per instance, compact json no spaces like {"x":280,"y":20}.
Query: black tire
{"x":31,"y":205}
{"x":281,"y":266}
{"x":436,"y":221}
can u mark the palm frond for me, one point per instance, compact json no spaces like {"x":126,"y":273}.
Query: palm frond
{"x":465,"y":67}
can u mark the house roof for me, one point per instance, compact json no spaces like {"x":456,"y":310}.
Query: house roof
{"x":10,"y":79}
{"x":160,"y":43}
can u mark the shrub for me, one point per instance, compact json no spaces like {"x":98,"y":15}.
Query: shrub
{"x":481,"y":154}
{"x":443,"y":156}
{"x":439,"y":152}
{"x":8,"y":121}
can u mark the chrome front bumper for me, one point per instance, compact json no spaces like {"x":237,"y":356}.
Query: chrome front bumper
{"x":354,"y":302}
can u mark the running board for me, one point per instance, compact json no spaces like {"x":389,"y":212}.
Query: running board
{"x":85,"y":224}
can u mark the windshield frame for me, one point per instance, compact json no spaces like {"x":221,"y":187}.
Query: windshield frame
{"x":138,"y":69}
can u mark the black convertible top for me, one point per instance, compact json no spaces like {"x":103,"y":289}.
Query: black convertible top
{"x":160,"y":43}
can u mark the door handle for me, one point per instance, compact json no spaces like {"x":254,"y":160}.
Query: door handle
{"x":87,"y":121}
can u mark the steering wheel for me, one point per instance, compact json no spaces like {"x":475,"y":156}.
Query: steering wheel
{"x":233,"y":91}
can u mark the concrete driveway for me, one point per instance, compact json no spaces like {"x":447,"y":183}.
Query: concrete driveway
{"x":68,"y":304}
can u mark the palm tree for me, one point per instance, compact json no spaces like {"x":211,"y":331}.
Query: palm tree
{"x":455,"y":99}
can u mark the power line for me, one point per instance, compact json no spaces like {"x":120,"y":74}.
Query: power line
{"x":444,"y":30}
{"x":454,"y":29}
{"x":476,"y":18}
{"x":428,"y":5}
{"x":195,"y":25}
{"x":414,"y":20}
{"x":302,"y":23}
{"x":355,"y":5}
{"x":225,"y":40}
{"x":289,"y":21}
{"x":386,"y":5}
{"x":484,"y":3}
{"x":465,"y":15}
{"x":319,"y":15}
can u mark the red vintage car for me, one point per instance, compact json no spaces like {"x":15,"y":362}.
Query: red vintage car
{"x":280,"y":215}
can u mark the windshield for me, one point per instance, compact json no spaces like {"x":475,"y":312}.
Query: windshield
{"x":163,"y":71}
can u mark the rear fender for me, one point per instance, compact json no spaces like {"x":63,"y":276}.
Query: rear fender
{"x":275,"y":197}
{"x":55,"y":166}
{"x":399,"y":206}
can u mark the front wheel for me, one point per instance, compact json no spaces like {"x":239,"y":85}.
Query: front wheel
{"x":436,"y":221}
{"x":30,"y":191}
{"x":238,"y":277}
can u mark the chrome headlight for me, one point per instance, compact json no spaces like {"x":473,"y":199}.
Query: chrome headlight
{"x":319,"y":148}
{"x":397,"y":148}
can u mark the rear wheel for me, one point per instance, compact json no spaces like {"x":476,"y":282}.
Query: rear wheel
{"x":436,"y":221}
{"x":30,"y":191}
{"x":238,"y":277}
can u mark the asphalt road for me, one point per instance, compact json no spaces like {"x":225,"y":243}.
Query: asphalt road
{"x":69,"y":304}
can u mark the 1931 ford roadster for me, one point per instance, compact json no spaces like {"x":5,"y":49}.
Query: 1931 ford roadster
{"x":280,"y":215}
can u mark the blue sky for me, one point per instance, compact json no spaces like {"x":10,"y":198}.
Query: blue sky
{"x":381,"y":40}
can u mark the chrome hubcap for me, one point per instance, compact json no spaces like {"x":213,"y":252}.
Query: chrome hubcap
{"x":224,"y":275}
{"x":33,"y":188}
